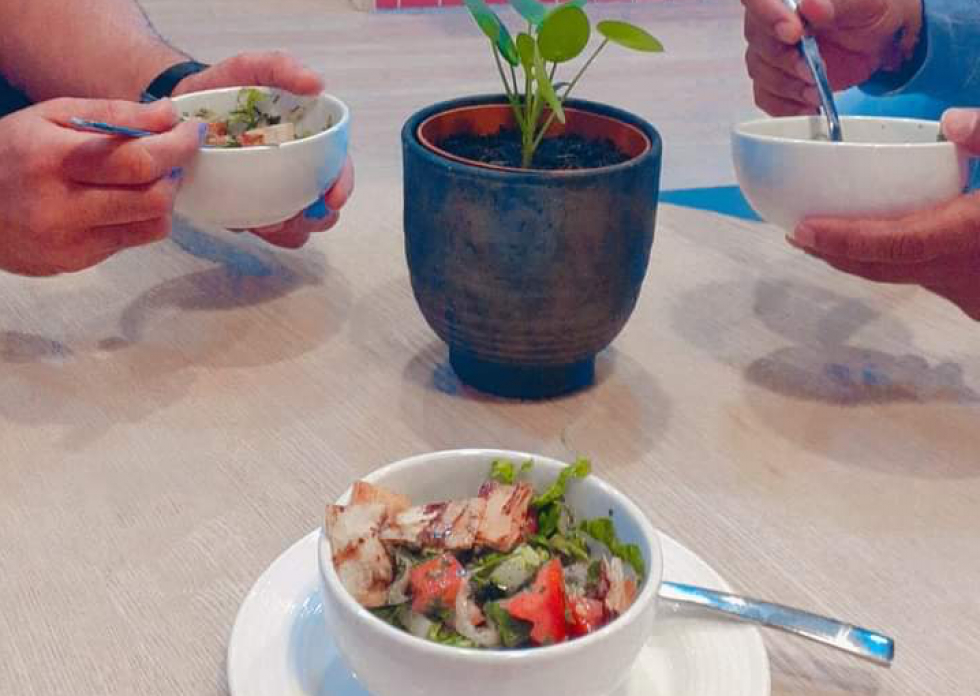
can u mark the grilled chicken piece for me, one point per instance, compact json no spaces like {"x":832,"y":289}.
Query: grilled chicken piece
{"x":620,"y":589}
{"x":451,"y":526}
{"x":456,"y":526}
{"x":270,"y":135}
{"x":361,"y":560}
{"x":365,"y":493}
{"x":409,"y":527}
{"x":502,"y":526}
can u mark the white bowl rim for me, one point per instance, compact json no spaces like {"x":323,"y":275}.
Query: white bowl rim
{"x":739,"y":130}
{"x":335,"y":128}
{"x":647,"y":595}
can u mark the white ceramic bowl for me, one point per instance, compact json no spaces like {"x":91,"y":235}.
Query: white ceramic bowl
{"x":390,"y":662}
{"x":257,"y":186}
{"x":886,"y":167}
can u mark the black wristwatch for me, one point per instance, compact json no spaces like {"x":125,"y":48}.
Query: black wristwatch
{"x":167,"y":81}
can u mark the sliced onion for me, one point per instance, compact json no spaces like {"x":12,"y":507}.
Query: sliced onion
{"x":417,"y":624}
{"x":486,"y":636}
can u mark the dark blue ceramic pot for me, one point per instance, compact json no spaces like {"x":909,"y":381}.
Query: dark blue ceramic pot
{"x":527,"y":274}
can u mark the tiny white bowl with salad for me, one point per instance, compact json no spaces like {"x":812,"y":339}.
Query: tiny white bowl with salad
{"x":489,"y":570}
{"x":269,"y":154}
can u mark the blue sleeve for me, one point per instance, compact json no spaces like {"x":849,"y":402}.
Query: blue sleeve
{"x":947,"y":61}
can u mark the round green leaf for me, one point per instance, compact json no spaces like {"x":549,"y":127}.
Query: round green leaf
{"x":576,"y":3}
{"x":531,"y":10}
{"x":485,"y":18}
{"x":629,"y":35}
{"x":525,"y":49}
{"x":506,"y":45}
{"x":563,"y":34}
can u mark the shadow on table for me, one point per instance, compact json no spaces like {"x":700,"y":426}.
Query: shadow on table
{"x":858,"y":404}
{"x":620,"y":418}
{"x":724,"y":200}
{"x":183,"y":324}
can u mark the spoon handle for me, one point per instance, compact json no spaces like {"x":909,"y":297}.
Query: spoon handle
{"x":108,"y":128}
{"x":811,"y":54}
{"x":855,"y":640}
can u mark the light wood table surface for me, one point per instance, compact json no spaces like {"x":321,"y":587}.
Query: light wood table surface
{"x":174,"y":419}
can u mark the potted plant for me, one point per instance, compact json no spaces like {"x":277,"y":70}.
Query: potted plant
{"x":529,"y":216}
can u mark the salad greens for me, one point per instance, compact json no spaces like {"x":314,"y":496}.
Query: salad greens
{"x":259,"y":118}
{"x":602,"y":530}
{"x":508,"y":569}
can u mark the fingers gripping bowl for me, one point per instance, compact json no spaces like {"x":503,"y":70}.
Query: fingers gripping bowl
{"x":885,"y":168}
{"x":255,"y":186}
{"x":390,"y":661}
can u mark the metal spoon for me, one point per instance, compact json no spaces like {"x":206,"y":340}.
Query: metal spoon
{"x":863,"y":643}
{"x":811,"y":53}
{"x":108,"y":128}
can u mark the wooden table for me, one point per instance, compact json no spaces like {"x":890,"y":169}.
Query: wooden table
{"x":172,"y":420}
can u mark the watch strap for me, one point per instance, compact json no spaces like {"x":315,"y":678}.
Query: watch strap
{"x":165,"y":83}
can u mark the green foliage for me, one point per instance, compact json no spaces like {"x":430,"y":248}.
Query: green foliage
{"x":553,"y":37}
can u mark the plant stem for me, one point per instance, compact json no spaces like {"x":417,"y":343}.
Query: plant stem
{"x":511,"y":97}
{"x":564,"y":96}
{"x":527,"y":131}
{"x":571,"y":85}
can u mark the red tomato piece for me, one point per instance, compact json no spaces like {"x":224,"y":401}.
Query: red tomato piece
{"x":543,"y":605}
{"x":436,"y":583}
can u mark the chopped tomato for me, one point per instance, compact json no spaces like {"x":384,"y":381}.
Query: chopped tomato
{"x":543,"y":605}
{"x":436,"y":583}
{"x":585,"y":615}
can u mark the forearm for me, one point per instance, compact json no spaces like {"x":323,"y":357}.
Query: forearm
{"x":947,"y":60}
{"x":80,"y":48}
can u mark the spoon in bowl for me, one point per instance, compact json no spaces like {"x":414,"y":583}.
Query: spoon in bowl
{"x":811,"y":53}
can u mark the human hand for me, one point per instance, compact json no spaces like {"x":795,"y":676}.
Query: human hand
{"x":857,"y":38}
{"x":938,"y":248}
{"x":279,"y":70}
{"x":69,"y":200}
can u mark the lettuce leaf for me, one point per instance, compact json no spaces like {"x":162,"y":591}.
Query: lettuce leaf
{"x":556,"y":491}
{"x":603,"y":530}
{"x":503,"y":471}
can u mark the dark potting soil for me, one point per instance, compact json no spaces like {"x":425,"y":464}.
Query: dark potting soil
{"x":560,"y":152}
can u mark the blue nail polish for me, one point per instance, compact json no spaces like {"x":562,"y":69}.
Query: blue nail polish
{"x":317,"y":211}
{"x":202,"y":132}
{"x":175,"y":173}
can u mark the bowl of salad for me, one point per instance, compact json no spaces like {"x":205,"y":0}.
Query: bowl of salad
{"x":268,"y":154}
{"x":488,"y":573}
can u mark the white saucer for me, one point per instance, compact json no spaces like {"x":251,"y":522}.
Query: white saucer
{"x":280,"y":645}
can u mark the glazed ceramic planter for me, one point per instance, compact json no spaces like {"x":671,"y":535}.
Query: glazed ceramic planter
{"x":527,"y":274}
